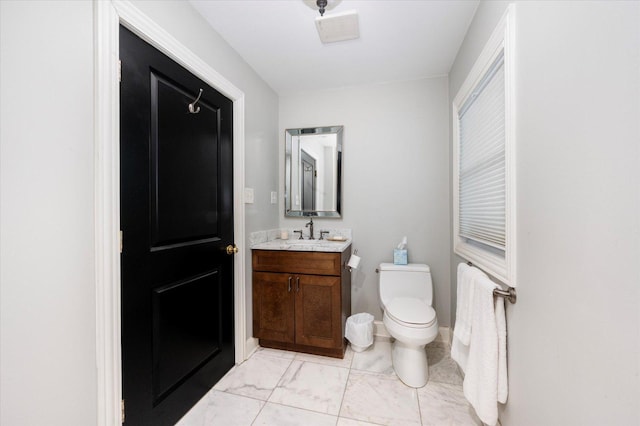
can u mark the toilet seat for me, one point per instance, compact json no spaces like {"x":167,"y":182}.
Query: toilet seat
{"x":411,"y":312}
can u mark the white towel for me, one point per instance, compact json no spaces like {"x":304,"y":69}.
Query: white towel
{"x":501,"y":325}
{"x":464,"y":313}
{"x":464,"y":308}
{"x":482,"y":374}
{"x":459,"y":353}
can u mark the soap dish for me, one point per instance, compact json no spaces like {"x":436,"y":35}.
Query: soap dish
{"x":337,"y":238}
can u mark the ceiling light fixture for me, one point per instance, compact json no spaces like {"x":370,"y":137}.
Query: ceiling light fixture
{"x":322,"y":5}
{"x":336,"y":26}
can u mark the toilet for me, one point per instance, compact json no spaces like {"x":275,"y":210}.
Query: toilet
{"x":406,"y":296}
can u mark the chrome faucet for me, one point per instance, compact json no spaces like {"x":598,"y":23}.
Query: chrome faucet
{"x":310,"y":226}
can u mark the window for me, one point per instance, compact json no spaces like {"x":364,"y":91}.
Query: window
{"x":484,"y":199}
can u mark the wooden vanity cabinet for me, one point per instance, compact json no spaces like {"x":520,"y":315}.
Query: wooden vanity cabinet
{"x":301,"y":300}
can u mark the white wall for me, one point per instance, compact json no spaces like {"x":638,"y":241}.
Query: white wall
{"x":396,"y":174}
{"x":574,"y":333}
{"x":47,"y":301}
{"x":47,"y":285}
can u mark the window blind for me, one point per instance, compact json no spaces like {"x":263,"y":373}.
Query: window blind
{"x":482,"y":190}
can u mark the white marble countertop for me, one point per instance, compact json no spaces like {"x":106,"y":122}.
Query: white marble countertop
{"x":303,"y":245}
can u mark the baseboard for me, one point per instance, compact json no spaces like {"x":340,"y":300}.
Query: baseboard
{"x":250,"y":346}
{"x":380,"y":333}
{"x":444,"y":335}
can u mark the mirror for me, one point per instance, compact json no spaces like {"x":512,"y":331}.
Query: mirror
{"x":313,"y":172}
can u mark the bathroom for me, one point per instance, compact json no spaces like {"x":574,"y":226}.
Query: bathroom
{"x":577,"y":186}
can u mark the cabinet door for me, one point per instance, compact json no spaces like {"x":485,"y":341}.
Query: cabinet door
{"x":273,"y":306}
{"x":318,"y":318}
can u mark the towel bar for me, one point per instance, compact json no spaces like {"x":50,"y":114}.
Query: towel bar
{"x":509,"y":293}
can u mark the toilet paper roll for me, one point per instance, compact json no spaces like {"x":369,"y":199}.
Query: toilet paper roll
{"x":354,"y":261}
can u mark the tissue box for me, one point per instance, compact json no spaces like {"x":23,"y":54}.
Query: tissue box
{"x":399,"y":257}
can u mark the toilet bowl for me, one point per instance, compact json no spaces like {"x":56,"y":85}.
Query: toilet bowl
{"x":406,"y":295}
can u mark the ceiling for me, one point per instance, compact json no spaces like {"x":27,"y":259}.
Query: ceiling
{"x":399,"y":40}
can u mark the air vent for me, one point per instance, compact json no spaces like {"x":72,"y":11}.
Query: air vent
{"x":338,"y":27}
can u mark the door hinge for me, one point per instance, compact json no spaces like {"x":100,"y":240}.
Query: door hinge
{"x":121,"y":243}
{"x":119,"y":70}
{"x":122,"y":411}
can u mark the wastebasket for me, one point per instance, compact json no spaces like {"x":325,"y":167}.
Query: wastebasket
{"x":359,"y":331}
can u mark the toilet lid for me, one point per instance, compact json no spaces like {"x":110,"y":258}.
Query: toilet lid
{"x":411,"y":310}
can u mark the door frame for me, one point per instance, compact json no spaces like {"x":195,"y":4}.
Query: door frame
{"x":108,"y":15}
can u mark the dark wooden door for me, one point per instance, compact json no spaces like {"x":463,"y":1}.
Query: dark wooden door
{"x":177,"y":219}
{"x":318,"y":311}
{"x":273,"y":306}
{"x":309,"y":176}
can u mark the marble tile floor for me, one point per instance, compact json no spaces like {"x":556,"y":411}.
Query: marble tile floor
{"x":280,"y":388}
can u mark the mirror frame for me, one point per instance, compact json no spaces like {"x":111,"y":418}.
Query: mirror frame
{"x":289,"y":133}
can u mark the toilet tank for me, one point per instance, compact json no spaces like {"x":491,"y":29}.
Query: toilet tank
{"x":412,"y":280}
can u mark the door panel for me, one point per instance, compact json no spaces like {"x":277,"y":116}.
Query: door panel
{"x":177,"y":218}
{"x":183,"y":146}
{"x":273,"y":302}
{"x":317,"y":308}
{"x":185,"y":334}
{"x":308,"y":181}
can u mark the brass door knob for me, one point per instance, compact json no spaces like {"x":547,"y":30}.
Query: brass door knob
{"x":232,"y":249}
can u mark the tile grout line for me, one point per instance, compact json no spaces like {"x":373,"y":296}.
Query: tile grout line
{"x":375,"y":373}
{"x":345,"y":387}
{"x":337,"y":416}
{"x":258,"y":413}
{"x":419,"y":409}
{"x":279,"y":380}
{"x":348,"y":365}
{"x":298,"y":408}
{"x":272,"y":390}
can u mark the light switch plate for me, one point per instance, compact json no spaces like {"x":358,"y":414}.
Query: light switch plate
{"x":274,"y":197}
{"x":248,"y":195}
